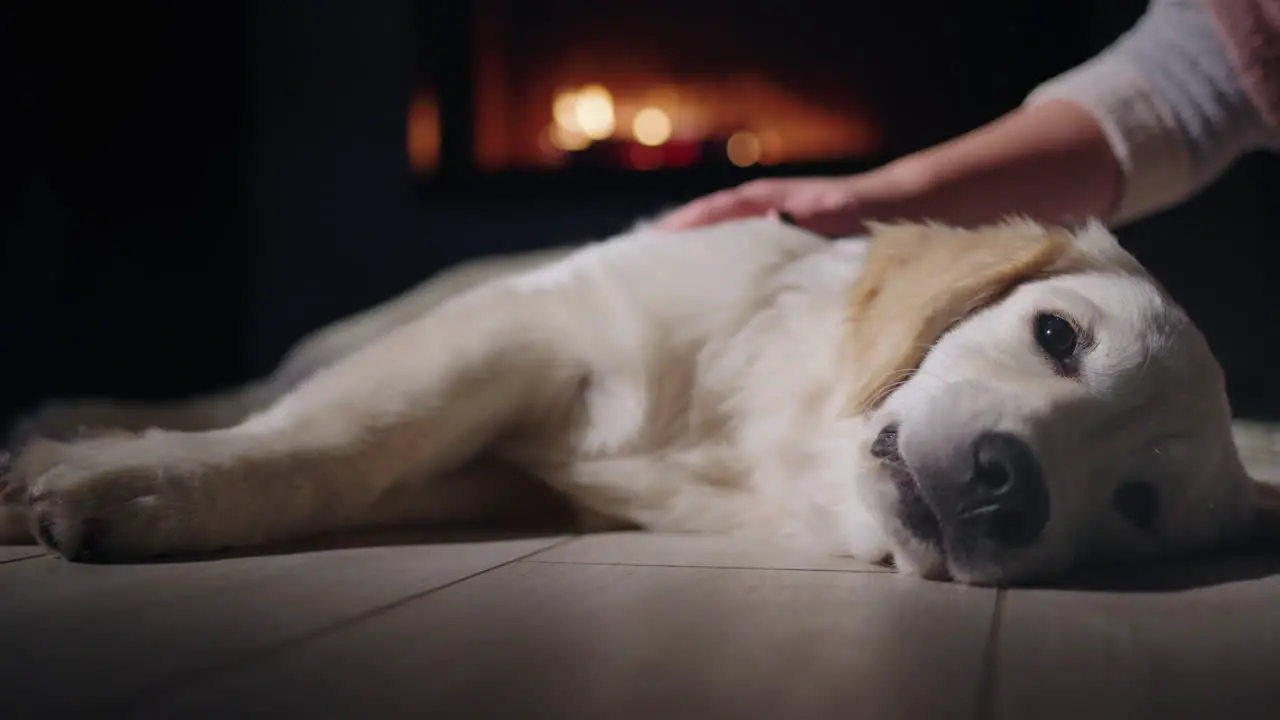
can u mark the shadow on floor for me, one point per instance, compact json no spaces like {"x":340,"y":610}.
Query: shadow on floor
{"x":386,"y":537}
{"x":1251,"y":562}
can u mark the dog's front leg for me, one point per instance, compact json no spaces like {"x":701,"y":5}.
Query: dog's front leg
{"x":423,"y":400}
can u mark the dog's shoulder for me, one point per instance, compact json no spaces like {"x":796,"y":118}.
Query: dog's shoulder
{"x":714,"y":373}
{"x":667,"y":326}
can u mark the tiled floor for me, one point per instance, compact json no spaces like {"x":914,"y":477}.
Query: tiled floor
{"x":631,"y":625}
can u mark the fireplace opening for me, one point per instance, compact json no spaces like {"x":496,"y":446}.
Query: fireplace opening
{"x":554,"y":86}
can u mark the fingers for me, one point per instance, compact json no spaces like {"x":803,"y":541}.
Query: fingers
{"x":826,"y":206}
{"x":749,"y":200}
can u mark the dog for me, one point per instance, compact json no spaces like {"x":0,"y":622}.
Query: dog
{"x":992,"y":405}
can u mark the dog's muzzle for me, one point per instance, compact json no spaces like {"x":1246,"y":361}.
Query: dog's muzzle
{"x":990,"y":496}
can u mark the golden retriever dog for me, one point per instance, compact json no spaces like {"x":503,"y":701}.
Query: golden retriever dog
{"x":993,"y":405}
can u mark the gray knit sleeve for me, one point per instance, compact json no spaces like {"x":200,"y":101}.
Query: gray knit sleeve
{"x":1168,"y":98}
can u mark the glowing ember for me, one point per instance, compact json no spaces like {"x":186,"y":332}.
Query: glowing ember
{"x":564,"y":112}
{"x":651,"y":127}
{"x":423,"y":133}
{"x":593,"y":111}
{"x":743,"y":149}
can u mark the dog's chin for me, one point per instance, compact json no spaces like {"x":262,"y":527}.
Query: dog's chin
{"x":917,"y":535}
{"x":914,"y":529}
{"x":919,"y":547}
{"x":913,"y":525}
{"x":915,"y":515}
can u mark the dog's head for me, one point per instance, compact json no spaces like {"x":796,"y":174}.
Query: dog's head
{"x":1035,"y":401}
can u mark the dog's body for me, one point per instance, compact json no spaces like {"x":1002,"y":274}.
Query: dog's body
{"x":747,"y":378}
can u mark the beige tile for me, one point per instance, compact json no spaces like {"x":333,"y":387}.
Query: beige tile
{"x":534,"y":640}
{"x":639,"y":548}
{"x":1204,"y":652}
{"x":75,"y":635}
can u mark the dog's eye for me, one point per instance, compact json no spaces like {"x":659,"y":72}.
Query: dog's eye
{"x":1056,"y":336}
{"x":1137,"y":502}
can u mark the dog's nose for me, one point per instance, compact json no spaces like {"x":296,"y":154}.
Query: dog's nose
{"x":1005,"y":499}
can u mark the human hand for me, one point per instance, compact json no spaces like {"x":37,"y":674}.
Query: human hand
{"x":830,"y":206}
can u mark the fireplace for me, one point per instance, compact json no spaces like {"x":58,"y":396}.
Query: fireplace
{"x":558,"y":85}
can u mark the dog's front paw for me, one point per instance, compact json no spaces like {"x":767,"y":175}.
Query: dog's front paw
{"x":88,"y":504}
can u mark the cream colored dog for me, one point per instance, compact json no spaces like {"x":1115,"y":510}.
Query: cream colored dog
{"x":994,"y":405}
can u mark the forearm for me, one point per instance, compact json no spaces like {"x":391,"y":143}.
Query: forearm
{"x":1051,"y":162}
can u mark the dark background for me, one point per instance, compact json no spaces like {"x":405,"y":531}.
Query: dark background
{"x":188,"y":187}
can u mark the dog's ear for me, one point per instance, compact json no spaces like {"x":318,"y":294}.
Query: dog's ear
{"x":922,"y":279}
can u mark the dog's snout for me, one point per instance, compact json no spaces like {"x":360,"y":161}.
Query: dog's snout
{"x":1005,"y":499}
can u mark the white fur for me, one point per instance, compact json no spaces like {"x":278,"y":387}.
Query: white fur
{"x":689,"y":382}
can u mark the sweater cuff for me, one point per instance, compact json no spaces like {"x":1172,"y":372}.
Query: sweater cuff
{"x":1142,"y":132}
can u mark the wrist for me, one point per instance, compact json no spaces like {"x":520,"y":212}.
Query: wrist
{"x":897,"y":191}
{"x":897,"y":185}
{"x":910,"y":176}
